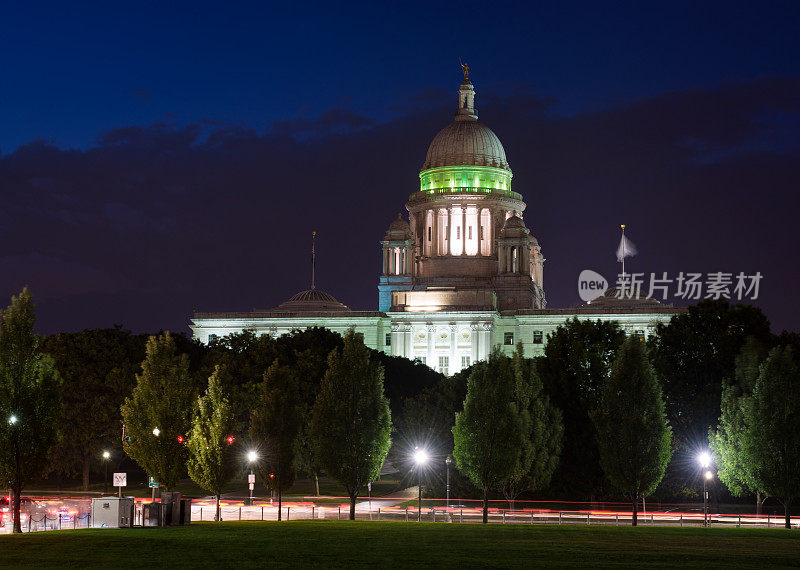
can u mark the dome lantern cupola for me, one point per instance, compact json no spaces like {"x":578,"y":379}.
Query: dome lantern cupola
{"x":466,"y":102}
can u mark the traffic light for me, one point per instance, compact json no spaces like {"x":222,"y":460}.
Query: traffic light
{"x":230,"y":439}
{"x":180,"y":439}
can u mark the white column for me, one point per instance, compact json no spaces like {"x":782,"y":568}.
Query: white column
{"x":407,"y":341}
{"x":431,"y":340}
{"x":452,"y":365}
{"x":488,"y":329}
{"x":435,"y":250}
{"x":478,"y":237}
{"x":449,"y":236}
{"x":463,"y":230}
{"x":474,"y":339}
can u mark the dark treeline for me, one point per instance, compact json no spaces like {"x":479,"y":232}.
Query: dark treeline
{"x":559,"y":426}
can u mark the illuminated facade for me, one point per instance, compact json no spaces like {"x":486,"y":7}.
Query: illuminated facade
{"x":462,"y":275}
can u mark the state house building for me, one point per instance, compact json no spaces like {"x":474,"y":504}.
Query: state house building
{"x":464,"y":273}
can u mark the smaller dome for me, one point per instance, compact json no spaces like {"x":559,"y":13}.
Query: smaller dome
{"x":514,"y":227}
{"x":312,"y":300}
{"x":612,"y":299}
{"x":514,"y":221}
{"x":398,"y":229}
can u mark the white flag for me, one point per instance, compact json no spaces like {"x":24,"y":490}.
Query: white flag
{"x":625,"y":249}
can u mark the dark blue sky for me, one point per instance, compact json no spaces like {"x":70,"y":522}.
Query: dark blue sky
{"x":166,"y":157}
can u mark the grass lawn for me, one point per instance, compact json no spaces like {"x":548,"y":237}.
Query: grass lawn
{"x":393,"y":544}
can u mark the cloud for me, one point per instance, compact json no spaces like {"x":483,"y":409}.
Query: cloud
{"x":218,"y":217}
{"x":332,"y":121}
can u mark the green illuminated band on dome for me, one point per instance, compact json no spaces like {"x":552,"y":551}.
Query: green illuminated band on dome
{"x":464,"y":179}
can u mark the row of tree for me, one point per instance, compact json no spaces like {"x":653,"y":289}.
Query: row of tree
{"x":271,"y":391}
{"x":168,"y":431}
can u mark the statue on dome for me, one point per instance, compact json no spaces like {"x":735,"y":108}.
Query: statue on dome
{"x":465,"y":68}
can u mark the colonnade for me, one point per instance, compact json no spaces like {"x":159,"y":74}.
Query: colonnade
{"x":461,"y":230}
{"x":396,"y":259}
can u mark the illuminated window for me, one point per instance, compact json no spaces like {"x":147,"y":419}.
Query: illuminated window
{"x":508,"y":338}
{"x":638,"y":335}
{"x":465,"y":362}
{"x":538,"y":337}
{"x":444,"y":362}
{"x":388,"y":339}
{"x":212,"y":338}
{"x":422,"y":359}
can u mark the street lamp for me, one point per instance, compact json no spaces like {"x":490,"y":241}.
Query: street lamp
{"x":12,"y":419}
{"x":106,"y":457}
{"x":252,"y":457}
{"x":420,"y":458}
{"x":447,"y":462}
{"x":705,"y":460}
{"x":156,"y":432}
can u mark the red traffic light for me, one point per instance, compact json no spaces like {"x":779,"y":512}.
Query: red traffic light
{"x":180,"y":439}
{"x":230,"y":439}
{"x":272,"y":475}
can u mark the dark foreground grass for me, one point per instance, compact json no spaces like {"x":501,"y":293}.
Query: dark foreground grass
{"x":395,"y":544}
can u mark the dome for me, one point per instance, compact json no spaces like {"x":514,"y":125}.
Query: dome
{"x":466,"y":143}
{"x":312,"y":300}
{"x":611,"y":300}
{"x":398,"y":229}
{"x":514,"y":227}
{"x":514,"y":221}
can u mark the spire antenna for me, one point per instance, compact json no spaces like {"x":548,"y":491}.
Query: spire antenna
{"x":313,"y":258}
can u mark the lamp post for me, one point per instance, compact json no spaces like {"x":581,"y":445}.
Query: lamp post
{"x":156,"y":432}
{"x":705,"y":460}
{"x":447,"y":463}
{"x":252,"y":457}
{"x":106,"y":457}
{"x":706,"y":478}
{"x":420,"y":458}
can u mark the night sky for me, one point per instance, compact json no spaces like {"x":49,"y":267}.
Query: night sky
{"x":162,"y":158}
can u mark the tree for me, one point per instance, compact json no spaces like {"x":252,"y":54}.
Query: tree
{"x":351,"y":422}
{"x":245,"y":356}
{"x":28,"y":400}
{"x":727,"y":441}
{"x":634,"y":436}
{"x":772,"y":433}
{"x":97,"y":369}
{"x":274,"y":425}
{"x":542,"y":431}
{"x":212,"y":455}
{"x":577,"y":359}
{"x":693,"y":353}
{"x":306,"y":352}
{"x":158,"y":412}
{"x":489,"y":430}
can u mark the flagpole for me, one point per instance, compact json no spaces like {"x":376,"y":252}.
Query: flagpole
{"x":623,"y":250}
{"x":313,"y":257}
